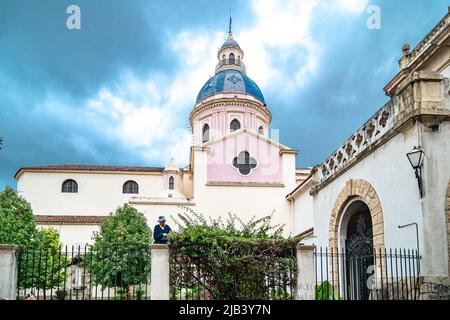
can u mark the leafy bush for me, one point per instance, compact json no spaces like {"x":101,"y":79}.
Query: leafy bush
{"x":325,"y":291}
{"x":61,"y":294}
{"x":40,"y":263}
{"x":120,"y":256}
{"x":17,"y":224}
{"x":232,"y":259}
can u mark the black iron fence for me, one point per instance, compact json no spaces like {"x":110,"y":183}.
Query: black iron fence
{"x":248,"y":277}
{"x":84,"y":273}
{"x":377,"y":275}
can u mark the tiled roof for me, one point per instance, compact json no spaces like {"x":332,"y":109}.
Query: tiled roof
{"x":89,"y":168}
{"x":305,"y":233}
{"x":67,"y":219}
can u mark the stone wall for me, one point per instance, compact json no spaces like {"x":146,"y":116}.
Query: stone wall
{"x":434,"y":288}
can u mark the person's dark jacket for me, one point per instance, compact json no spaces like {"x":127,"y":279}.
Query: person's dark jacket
{"x":158,"y":234}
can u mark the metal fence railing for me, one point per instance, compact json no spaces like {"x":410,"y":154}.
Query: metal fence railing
{"x":84,"y":273}
{"x":377,"y":275}
{"x":247,"y":279}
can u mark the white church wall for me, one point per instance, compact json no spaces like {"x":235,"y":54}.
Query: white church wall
{"x":152,"y":212}
{"x":387,"y":169}
{"x":303,"y":210}
{"x":436,"y":176}
{"x":98,"y":193}
{"x":244,"y":201}
{"x":74,"y":235}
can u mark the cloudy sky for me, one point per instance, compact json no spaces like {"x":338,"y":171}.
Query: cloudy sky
{"x":120,"y":90}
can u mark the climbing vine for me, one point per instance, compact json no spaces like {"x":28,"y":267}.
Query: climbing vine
{"x":231,"y":259}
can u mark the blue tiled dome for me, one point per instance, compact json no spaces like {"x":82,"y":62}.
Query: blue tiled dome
{"x":230,"y":81}
{"x":230,"y":43}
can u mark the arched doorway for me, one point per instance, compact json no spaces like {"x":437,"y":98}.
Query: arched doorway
{"x":356,"y":237}
{"x":357,"y":198}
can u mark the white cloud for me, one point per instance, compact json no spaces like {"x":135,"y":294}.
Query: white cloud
{"x":350,"y":6}
{"x":145,"y":113}
{"x":280,"y":27}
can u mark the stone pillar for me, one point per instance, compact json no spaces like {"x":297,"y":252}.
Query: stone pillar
{"x":159,"y":285}
{"x":8,"y":271}
{"x":306,"y":273}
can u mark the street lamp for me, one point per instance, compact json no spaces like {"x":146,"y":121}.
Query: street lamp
{"x":416,"y":157}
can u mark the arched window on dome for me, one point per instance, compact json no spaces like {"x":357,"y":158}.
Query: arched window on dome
{"x":224,"y":57}
{"x":235,"y":125}
{"x":171,"y":183}
{"x":205,"y":133}
{"x":69,"y":186}
{"x":130,"y":187}
{"x":231,"y":58}
{"x":261,"y":130}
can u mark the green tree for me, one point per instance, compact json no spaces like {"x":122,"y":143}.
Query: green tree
{"x":17,"y":224}
{"x":43,"y":264}
{"x":120,"y":256}
{"x":40,"y":262}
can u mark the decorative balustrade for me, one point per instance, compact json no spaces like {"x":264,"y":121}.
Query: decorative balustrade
{"x":368,"y":134}
{"x":428,"y":40}
{"x":230,"y":62}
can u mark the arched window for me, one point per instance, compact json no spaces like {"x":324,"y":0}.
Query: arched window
{"x":223,"y":57}
{"x":235,"y":125}
{"x":231,"y":58}
{"x":69,"y":186}
{"x":261,"y":130}
{"x":171,"y":183}
{"x":205,"y":133}
{"x":130,"y":187}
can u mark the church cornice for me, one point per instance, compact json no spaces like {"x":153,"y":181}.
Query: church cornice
{"x":229,"y":102}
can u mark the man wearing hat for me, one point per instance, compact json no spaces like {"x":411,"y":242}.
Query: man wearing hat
{"x":161,"y":231}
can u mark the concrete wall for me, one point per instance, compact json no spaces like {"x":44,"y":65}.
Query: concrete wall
{"x":387,"y":169}
{"x":8,"y":271}
{"x":303,"y":209}
{"x":436,"y":176}
{"x":98,"y":193}
{"x":74,"y":235}
{"x":244,"y":201}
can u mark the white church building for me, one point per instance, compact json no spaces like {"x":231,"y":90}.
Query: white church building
{"x":236,"y":167}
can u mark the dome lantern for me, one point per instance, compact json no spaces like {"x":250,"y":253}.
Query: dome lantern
{"x":230,"y":55}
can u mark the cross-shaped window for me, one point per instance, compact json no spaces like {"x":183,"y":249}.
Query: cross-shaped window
{"x":244,"y":163}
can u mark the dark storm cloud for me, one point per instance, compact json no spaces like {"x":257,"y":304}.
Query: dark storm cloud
{"x":44,"y":64}
{"x":347,"y":87}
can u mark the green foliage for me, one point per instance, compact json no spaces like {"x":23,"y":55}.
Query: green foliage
{"x":325,"y":291}
{"x":42,"y":264}
{"x":120,"y":256}
{"x":61,"y":294}
{"x":17,"y":224}
{"x":232,"y":259}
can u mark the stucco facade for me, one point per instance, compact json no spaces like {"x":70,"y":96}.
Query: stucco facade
{"x":235,"y":167}
{"x":371,"y":168}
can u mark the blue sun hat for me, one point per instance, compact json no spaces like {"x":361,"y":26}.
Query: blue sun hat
{"x":161,"y":219}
